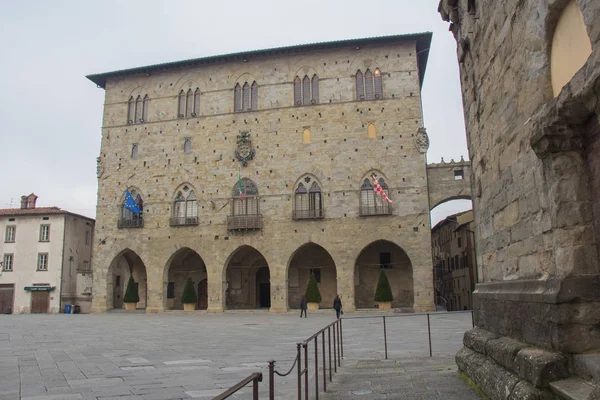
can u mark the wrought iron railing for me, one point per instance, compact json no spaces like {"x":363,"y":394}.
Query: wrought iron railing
{"x":130,"y":223}
{"x":182,"y":221}
{"x":243,"y":222}
{"x":254,"y":378}
{"x":308,"y":214}
{"x":365,"y":211}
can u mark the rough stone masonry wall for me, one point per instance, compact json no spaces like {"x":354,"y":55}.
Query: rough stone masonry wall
{"x":339,"y":156}
{"x":535,"y":178}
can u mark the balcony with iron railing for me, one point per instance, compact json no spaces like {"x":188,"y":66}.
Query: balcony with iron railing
{"x":183,"y":221}
{"x":366,"y":211}
{"x":244,"y":222}
{"x":130,"y":223}
{"x":308,"y":214}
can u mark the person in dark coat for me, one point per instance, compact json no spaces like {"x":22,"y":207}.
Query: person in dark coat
{"x":303,"y":306}
{"x":337,"y":305}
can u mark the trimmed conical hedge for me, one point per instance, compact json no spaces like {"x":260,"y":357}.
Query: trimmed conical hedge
{"x":312,"y":290}
{"x":189,"y":295}
{"x":131,"y":294}
{"x":384,"y":291}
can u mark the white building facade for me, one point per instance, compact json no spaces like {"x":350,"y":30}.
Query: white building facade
{"x":46,"y":259}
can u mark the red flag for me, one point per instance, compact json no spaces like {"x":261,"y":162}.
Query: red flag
{"x":379,"y":190}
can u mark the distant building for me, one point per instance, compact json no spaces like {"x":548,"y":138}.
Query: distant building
{"x":454,"y":267}
{"x":46,"y":259}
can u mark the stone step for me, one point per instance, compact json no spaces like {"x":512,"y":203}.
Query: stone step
{"x":572,"y":389}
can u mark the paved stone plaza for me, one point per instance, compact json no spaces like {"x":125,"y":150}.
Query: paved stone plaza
{"x":175,"y":355}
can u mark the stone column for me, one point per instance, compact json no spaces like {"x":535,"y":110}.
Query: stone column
{"x":156,"y":291}
{"x":345,"y":286}
{"x":423,"y":287}
{"x":279,"y":289}
{"x":216,"y":291}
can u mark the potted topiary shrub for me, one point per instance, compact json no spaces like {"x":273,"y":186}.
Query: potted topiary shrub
{"x":189,"y":298}
{"x":313,"y":296}
{"x":131,"y":297}
{"x":383,"y":295}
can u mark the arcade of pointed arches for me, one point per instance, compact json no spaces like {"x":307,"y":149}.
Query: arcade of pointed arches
{"x":246,"y":277}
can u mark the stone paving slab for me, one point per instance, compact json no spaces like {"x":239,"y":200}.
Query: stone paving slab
{"x":177,"y":355}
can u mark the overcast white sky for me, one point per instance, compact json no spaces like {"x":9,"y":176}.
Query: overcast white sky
{"x":51,"y":114}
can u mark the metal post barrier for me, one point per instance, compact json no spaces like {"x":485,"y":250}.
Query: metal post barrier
{"x":324,"y":364}
{"x":316,"y":371}
{"x":305,"y":345}
{"x":385,"y":337}
{"x":255,"y":389}
{"x":271,"y":379}
{"x":472,"y":319}
{"x":334,"y":351}
{"x":342,"y":337}
{"x":329,"y":334}
{"x":338,"y":344}
{"x":429,"y":334}
{"x":299,"y":355}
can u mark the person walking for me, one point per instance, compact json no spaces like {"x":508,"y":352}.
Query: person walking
{"x":337,"y":305}
{"x":303,"y":306}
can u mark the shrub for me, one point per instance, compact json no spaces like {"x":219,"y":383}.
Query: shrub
{"x":312,"y":290}
{"x":189,"y":293}
{"x":384,"y":291}
{"x":131,"y":294}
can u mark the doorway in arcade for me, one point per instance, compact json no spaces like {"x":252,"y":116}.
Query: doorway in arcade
{"x":247,"y":280}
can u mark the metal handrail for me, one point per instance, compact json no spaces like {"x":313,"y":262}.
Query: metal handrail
{"x":303,"y":370}
{"x":411,"y":315}
{"x":254,"y":378}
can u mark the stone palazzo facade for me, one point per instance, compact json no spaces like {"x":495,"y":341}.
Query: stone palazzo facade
{"x":254,"y":170}
{"x":530,"y":73}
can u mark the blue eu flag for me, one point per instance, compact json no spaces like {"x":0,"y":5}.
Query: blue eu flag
{"x":130,"y":203}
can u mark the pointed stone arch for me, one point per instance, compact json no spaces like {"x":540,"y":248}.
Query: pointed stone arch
{"x":246,"y":275}
{"x":125,"y":264}
{"x":398,"y":267}
{"x":308,"y":258}
{"x":183,"y":264}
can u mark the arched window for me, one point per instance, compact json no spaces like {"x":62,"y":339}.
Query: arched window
{"x":378,"y":84}
{"x":297,"y":91}
{"x":315,"y":89}
{"x":131,"y":110}
{"x":237,"y":98}
{"x":196,"y":103}
{"x":245,"y":202}
{"x":187,"y":145}
{"x":189,"y":103}
{"x":369,"y":87}
{"x":306,"y":90}
{"x":246,"y":97}
{"x":371,"y":131}
{"x":145,"y":108}
{"x":130,"y":219}
{"x":245,"y":198}
{"x":308,"y":204}
{"x":181,"y":105}
{"x":306,"y":136}
{"x":185,"y":208}
{"x":370,"y":203}
{"x":254,"y":96}
{"x":368,"y":84}
{"x":134,"y":150}
{"x":360,"y":86}
{"x":138,"y":109}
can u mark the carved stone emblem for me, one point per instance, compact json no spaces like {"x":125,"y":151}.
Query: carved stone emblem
{"x":245,"y":151}
{"x":99,"y":167}
{"x":422,"y":140}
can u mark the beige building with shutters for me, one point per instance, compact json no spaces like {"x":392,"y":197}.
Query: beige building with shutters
{"x":253,"y":170}
{"x":46,"y":259}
